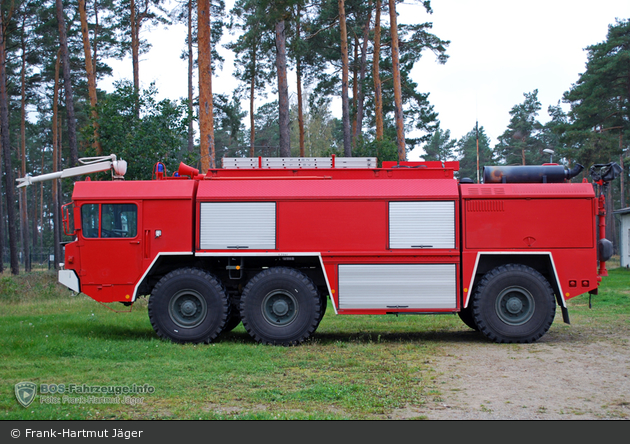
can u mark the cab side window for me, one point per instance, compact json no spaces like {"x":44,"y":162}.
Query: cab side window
{"x":89,"y":220}
{"x":109,"y":220}
{"x":119,"y":220}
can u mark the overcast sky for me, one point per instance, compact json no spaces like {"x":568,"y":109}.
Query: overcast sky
{"x":499,"y":50}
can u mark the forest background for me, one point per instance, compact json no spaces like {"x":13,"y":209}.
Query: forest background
{"x":350,"y":65}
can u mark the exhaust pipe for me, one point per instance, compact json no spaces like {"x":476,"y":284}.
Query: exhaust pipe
{"x":529,"y":173}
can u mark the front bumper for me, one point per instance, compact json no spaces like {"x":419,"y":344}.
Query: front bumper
{"x":70,"y":279}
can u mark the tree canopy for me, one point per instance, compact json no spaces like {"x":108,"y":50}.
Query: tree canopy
{"x":52,"y":111}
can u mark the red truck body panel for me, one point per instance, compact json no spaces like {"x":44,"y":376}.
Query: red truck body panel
{"x":408,"y":236}
{"x":548,"y":220}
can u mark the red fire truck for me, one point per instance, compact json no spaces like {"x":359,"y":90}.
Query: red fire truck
{"x":267,"y":241}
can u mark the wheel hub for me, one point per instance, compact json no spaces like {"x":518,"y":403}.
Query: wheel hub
{"x":188,"y":308}
{"x":279,"y":308}
{"x":515,"y":305}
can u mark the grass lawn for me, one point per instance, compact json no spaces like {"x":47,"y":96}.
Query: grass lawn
{"x":355,"y":367}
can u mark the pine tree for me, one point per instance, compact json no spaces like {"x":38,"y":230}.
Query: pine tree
{"x":441,"y":147}
{"x":519,"y":144}
{"x":467,"y":153}
{"x":206,"y":105}
{"x":67,"y":84}
{"x":5,"y":141}
{"x":600,"y":102}
{"x":253,"y":55}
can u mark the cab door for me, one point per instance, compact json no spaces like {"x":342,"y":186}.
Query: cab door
{"x":110,"y":247}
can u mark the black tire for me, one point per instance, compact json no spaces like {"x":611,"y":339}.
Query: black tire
{"x":233,"y":320}
{"x":188,"y":305}
{"x":323,"y":304}
{"x":466,"y":315}
{"x":280,"y":306}
{"x":513,"y":303}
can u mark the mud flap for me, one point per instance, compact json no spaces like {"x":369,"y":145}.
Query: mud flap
{"x":565,"y":315}
{"x":565,"y":310}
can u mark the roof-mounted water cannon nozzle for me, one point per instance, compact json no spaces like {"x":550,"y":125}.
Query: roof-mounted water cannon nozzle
{"x":120,"y":168}
{"x":604,"y":173}
{"x":88,"y":165}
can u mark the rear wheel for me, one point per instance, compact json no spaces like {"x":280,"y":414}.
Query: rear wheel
{"x":513,"y":303}
{"x":323,"y":304}
{"x":466,"y":315}
{"x":188,"y":305}
{"x":280,"y":306}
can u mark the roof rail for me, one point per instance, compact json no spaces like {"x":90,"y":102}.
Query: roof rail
{"x":298,"y":162}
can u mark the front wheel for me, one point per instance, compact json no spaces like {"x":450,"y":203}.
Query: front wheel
{"x":513,"y":303}
{"x":188,"y":305}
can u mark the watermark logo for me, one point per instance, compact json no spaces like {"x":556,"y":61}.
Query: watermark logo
{"x":25,"y":393}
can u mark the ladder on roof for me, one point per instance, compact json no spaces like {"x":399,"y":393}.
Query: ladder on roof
{"x":298,"y":162}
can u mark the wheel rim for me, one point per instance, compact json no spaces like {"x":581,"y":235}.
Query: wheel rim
{"x":515,"y":305}
{"x":188,"y":308}
{"x":279,"y":308}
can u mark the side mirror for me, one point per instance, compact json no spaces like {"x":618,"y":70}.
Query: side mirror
{"x":65,"y":217}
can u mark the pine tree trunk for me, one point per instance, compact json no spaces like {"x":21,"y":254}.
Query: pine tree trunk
{"x":252,"y":93}
{"x":206,"y":108}
{"x":5,"y":140}
{"x":41,"y":204}
{"x":622,"y":196}
{"x":355,"y":89}
{"x":91,"y":76}
{"x":95,"y":40}
{"x":398,"y":111}
{"x":2,"y":244}
{"x":135,"y":53}
{"x":283,"y":90}
{"x":360,"y":93}
{"x":34,"y":224}
{"x":55,"y":182}
{"x":191,"y":132}
{"x":67,"y":83}
{"x":24,"y":195}
{"x":378,"y":93}
{"x":345,"y":104}
{"x":298,"y":71}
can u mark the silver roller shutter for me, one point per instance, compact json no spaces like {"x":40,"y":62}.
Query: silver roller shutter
{"x":422,"y":225}
{"x":237,"y":225}
{"x":397,"y":286}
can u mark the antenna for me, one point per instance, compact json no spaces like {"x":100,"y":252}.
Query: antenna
{"x":477,"y":134}
{"x":477,"y":131}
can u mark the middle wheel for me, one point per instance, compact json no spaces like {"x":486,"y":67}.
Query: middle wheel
{"x":280,"y":306}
